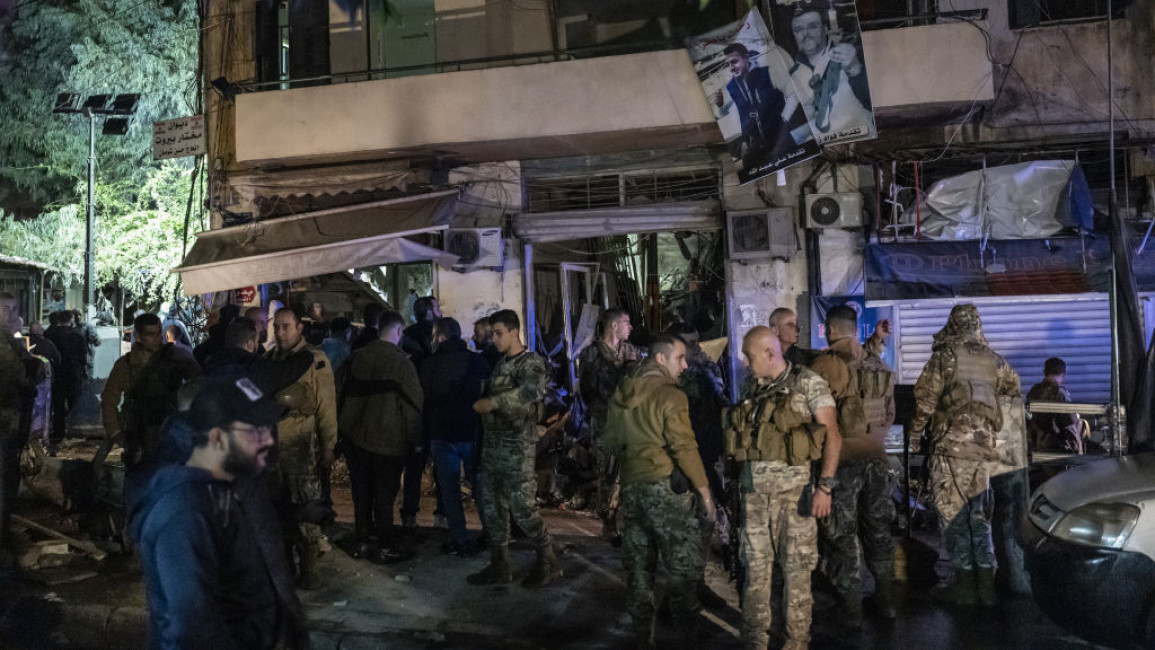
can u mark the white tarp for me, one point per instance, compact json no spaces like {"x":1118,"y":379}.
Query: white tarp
{"x":323,"y":242}
{"x":1009,"y":202}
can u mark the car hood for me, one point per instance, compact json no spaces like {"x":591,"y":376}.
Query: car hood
{"x":1129,"y":479}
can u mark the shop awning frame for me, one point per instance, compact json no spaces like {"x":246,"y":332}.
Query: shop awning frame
{"x":318,"y":242}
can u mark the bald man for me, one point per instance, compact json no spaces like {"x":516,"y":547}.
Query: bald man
{"x":784,"y":424}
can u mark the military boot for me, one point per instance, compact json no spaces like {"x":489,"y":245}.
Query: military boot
{"x":985,"y":581}
{"x":545,"y":570}
{"x":961,"y":591}
{"x":498,"y":572}
{"x":850,"y":609}
{"x":881,"y":602}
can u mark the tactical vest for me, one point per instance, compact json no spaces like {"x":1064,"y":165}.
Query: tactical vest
{"x":973,"y":386}
{"x":776,"y":425}
{"x":874,"y":385}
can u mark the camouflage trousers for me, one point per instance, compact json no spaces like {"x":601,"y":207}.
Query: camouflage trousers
{"x":861,"y":514}
{"x":298,"y":490}
{"x":660,"y":523}
{"x":773,"y":530}
{"x":508,"y":481}
{"x":609,"y":492}
{"x":962,"y":497}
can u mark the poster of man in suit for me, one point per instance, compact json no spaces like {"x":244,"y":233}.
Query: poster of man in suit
{"x":823,"y":41}
{"x":747,"y":83}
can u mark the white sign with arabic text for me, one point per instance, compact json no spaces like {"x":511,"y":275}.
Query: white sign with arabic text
{"x":184,"y":136}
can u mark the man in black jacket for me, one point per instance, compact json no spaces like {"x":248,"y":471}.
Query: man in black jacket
{"x":418,"y":344}
{"x":452,"y":379}
{"x":68,"y":383}
{"x":214,"y":568}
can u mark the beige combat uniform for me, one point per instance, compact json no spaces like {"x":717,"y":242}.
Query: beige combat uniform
{"x":772,"y":434}
{"x":957,"y":402}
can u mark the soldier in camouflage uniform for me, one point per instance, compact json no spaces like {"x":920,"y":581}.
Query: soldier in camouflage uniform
{"x":148,"y":380}
{"x":602,"y":365}
{"x":509,"y":413}
{"x":649,"y":431}
{"x":863,"y":389}
{"x":784,"y":423}
{"x":957,"y":402}
{"x":306,"y":436}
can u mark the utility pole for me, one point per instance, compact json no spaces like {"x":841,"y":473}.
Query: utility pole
{"x":90,"y":217}
{"x":117,"y":114}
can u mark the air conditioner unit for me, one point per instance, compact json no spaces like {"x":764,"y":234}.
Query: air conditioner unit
{"x":475,"y":247}
{"x":843,"y":210}
{"x":761,"y":234}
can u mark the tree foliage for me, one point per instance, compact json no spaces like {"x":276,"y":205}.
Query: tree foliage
{"x":92,"y":47}
{"x":137,"y":247}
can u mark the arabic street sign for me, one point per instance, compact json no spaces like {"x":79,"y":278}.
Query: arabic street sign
{"x":184,"y":136}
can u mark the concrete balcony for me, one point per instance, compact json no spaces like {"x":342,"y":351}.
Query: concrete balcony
{"x":916,"y":70}
{"x":600,"y":105}
{"x":591,"y":106}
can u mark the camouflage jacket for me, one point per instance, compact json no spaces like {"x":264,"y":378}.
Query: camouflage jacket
{"x":961,"y":428}
{"x":601,"y":369}
{"x":517,"y":388}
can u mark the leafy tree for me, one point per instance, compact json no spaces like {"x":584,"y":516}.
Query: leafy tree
{"x":137,"y":248}
{"x":91,"y":47}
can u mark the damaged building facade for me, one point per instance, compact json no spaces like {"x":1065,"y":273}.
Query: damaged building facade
{"x":547,"y":155}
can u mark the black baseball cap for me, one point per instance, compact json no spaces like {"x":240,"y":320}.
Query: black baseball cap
{"x":220,"y":402}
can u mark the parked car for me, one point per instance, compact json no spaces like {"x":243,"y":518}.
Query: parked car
{"x":1089,"y":542}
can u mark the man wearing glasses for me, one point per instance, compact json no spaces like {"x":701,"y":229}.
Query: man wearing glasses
{"x":209,"y":570}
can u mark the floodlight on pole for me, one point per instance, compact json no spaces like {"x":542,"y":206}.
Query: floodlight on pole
{"x":92,"y":106}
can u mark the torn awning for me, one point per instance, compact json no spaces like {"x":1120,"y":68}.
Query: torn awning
{"x":366,"y":177}
{"x":541,"y":227}
{"x":314,"y":243}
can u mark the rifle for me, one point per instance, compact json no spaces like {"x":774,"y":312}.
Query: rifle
{"x":731,"y":559}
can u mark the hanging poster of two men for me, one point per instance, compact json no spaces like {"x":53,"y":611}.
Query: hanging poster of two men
{"x":777,"y":100}
{"x":747,"y":83}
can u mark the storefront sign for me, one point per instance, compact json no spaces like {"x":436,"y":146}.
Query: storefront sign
{"x":1006,"y":268}
{"x":178,"y":138}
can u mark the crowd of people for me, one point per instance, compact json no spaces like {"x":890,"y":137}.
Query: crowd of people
{"x":229,"y":450}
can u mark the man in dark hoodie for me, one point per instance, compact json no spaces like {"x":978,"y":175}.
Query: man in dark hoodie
{"x":214,"y":571}
{"x":664,"y":488}
{"x":451,"y":379}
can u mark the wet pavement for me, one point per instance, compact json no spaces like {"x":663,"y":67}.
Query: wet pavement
{"x":425,"y":602}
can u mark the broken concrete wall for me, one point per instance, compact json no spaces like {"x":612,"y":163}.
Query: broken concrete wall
{"x":754,"y":289}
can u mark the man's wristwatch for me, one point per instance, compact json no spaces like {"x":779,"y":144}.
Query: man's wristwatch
{"x":827,"y":484}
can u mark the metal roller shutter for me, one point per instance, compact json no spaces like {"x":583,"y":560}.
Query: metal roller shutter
{"x":540,"y":227}
{"x":1027,"y":331}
